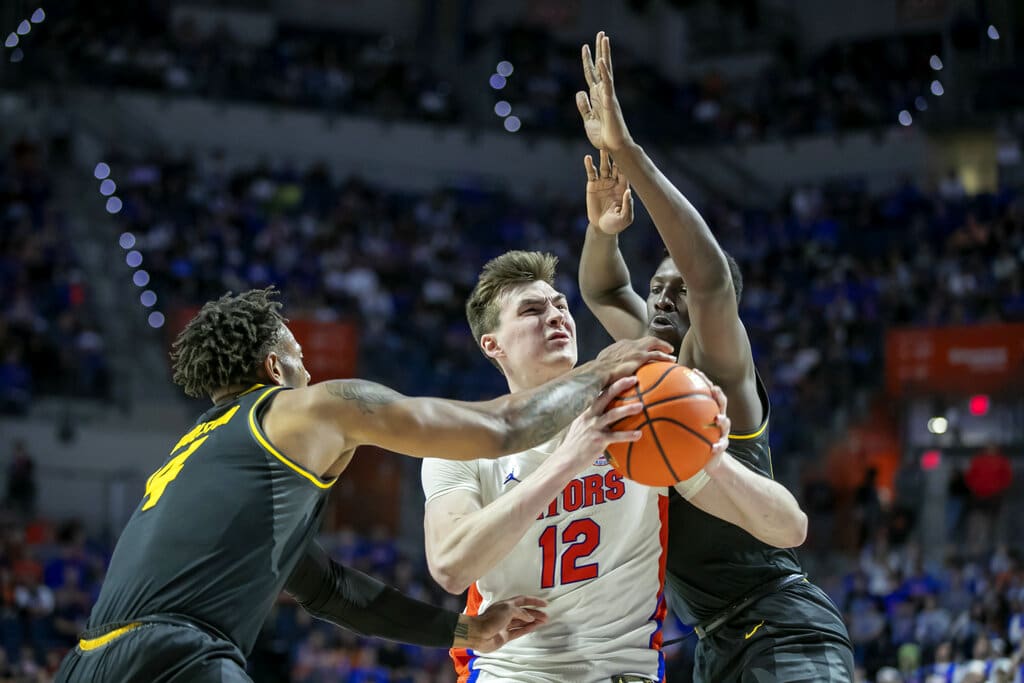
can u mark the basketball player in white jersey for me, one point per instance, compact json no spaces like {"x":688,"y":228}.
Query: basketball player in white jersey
{"x":557,"y":521}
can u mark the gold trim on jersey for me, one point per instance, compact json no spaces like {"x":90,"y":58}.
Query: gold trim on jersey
{"x":251,"y":389}
{"x":258,"y":435}
{"x":94,"y":643}
{"x":752,"y":435}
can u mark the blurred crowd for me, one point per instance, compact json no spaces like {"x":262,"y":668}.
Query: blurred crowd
{"x":824,"y":274}
{"x":48,"y":342}
{"x":847,"y":86}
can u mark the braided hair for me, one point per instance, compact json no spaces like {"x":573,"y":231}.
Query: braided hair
{"x":226,"y":342}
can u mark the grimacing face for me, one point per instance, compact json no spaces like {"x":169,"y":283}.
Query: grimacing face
{"x":536,"y":334}
{"x":667,"y":315}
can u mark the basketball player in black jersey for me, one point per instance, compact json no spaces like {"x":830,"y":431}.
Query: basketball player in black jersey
{"x":757,"y":616}
{"x":230,"y":518}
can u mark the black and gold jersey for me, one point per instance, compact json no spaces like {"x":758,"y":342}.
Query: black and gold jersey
{"x":219,"y":529}
{"x":712,"y":563}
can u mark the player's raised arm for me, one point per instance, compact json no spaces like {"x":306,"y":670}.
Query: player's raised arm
{"x":362,"y":412}
{"x":604,"y":277}
{"x":722,"y":347}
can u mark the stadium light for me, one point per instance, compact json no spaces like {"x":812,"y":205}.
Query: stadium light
{"x":931,"y":459}
{"x":937,"y":89}
{"x":938,"y":425}
{"x":993,"y":32}
{"x":905,"y":118}
{"x":935,"y":63}
{"x":979,"y":404}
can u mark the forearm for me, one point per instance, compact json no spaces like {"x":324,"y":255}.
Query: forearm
{"x":478,"y":541}
{"x":688,"y":238}
{"x":360,"y":603}
{"x":535,"y":416}
{"x":770,"y":511}
{"x":603,"y":271}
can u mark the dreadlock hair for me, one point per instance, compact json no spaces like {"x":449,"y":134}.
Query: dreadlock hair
{"x":226,"y":342}
{"x":734,"y":271}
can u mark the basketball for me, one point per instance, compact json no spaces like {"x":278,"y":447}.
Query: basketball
{"x":678,"y":425}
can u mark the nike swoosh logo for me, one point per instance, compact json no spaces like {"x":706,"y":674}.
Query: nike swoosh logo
{"x":753,"y":631}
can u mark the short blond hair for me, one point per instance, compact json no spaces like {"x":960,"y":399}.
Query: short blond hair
{"x":499,"y":275}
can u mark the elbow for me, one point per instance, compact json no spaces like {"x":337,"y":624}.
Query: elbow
{"x":796,"y":531}
{"x":449,"y":578}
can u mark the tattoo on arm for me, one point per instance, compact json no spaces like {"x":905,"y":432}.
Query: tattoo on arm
{"x":368,"y":396}
{"x":551,"y":410}
{"x":462,"y":630}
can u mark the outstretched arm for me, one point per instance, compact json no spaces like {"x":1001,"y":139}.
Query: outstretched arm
{"x":325,"y":422}
{"x":604,"y":277}
{"x":721,"y":344}
{"x":360,"y":603}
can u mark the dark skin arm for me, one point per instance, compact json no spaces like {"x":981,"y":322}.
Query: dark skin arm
{"x":716,"y":342}
{"x":321,"y":425}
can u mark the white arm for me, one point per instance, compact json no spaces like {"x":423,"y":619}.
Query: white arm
{"x":464,"y":541}
{"x":760,"y":506}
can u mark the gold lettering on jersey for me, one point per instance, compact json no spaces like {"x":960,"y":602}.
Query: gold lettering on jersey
{"x":157,"y":483}
{"x":205,"y":428}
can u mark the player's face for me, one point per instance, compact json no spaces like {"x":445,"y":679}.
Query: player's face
{"x":292,"y":373}
{"x":536,"y":335}
{"x":667,"y":316}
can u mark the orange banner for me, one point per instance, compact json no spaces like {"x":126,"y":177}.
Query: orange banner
{"x":956,"y":360}
{"x":331,"y":349}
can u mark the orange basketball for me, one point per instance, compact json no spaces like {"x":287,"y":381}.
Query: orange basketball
{"x":678,"y":425}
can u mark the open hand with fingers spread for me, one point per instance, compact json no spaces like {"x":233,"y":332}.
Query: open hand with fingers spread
{"x":602,"y":115}
{"x":590,"y":434}
{"x":499,"y":623}
{"x":609,"y":199}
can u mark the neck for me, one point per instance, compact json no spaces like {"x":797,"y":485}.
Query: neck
{"x":532,"y":380}
{"x":229,"y":393}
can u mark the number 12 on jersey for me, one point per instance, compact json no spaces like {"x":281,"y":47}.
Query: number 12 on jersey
{"x":579,"y":540}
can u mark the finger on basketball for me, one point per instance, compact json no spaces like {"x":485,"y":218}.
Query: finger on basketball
{"x":720,"y":398}
{"x":659,"y":356}
{"x":617,"y":413}
{"x":724,"y":423}
{"x":623,"y":436}
{"x":611,"y":391}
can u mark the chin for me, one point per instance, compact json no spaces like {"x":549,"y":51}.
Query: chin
{"x":670,"y":335}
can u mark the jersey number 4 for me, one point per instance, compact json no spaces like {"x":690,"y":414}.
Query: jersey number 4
{"x":579,"y":540}
{"x":158,"y":481}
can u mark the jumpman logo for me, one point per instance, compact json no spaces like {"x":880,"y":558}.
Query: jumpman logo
{"x":511,"y":477}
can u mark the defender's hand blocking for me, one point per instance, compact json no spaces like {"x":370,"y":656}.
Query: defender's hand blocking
{"x":501,"y":622}
{"x":723,"y":422}
{"x":602,"y":116}
{"x":625,"y":357}
{"x":609,"y":199}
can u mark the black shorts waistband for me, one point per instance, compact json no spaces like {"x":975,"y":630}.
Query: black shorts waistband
{"x":112,"y":630}
{"x":703,"y":630}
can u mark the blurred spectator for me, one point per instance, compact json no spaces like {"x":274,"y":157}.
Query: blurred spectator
{"x":21,"y":481}
{"x":988,"y":477}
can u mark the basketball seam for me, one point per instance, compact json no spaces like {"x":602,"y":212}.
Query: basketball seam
{"x":684,"y":426}
{"x":661,"y":379}
{"x":676,"y":398}
{"x":657,"y":441}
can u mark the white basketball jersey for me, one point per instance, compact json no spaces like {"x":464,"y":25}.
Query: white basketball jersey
{"x":596,"y":554}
